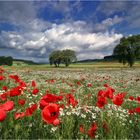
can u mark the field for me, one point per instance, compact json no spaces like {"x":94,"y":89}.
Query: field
{"x":83,"y":101}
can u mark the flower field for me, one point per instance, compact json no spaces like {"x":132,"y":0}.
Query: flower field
{"x":70,"y":104}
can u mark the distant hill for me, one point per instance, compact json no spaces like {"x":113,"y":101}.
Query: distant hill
{"x":109,"y":58}
{"x":89,"y":60}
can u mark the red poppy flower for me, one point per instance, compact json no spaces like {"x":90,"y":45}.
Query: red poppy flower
{"x":19,"y":115}
{"x":91,"y":131}
{"x":33,"y":84}
{"x":102,"y":93}
{"x":89,"y":85}
{"x":15,"y":77}
{"x":30,"y":110}
{"x":50,"y":81}
{"x":137,"y":110}
{"x":7,"y":106}
{"x":109,"y":92}
{"x":138,"y":99}
{"x":4,"y":88}
{"x":78,"y":83}
{"x":21,"y":102}
{"x":71,"y":100}
{"x":130,"y":112}
{"x":35,"y":91}
{"x":3,"y":96}
{"x":43,"y":103}
{"x":2,"y":115}
{"x":50,"y":98}
{"x":2,"y":78}
{"x":118,"y":99}
{"x":22,"y":84}
{"x":46,"y":99}
{"x":82,"y":129}
{"x":16,"y":91}
{"x":101,"y":101}
{"x":131,"y":98}
{"x":56,"y":122}
{"x":33,"y":107}
{"x":50,"y":113}
{"x":106,"y":85}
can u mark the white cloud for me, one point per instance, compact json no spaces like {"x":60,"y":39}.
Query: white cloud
{"x":16,"y":12}
{"x":129,"y":11}
{"x":110,"y":7}
{"x":103,"y":26}
{"x":37,"y":44}
{"x":35,"y":38}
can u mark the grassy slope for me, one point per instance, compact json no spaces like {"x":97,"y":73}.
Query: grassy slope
{"x":92,"y":65}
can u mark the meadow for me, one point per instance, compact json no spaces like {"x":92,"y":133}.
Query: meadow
{"x":83,"y":101}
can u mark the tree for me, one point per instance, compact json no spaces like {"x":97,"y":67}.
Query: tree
{"x":64,"y":56}
{"x":2,"y":60}
{"x":68,"y":56}
{"x":9,"y":61}
{"x":128,"y":50}
{"x":6,"y":60}
{"x":55,"y":58}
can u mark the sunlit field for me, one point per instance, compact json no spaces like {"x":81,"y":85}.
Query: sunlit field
{"x":84,"y":66}
{"x":78,"y":102}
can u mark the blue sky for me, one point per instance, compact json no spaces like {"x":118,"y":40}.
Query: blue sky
{"x":32,"y":29}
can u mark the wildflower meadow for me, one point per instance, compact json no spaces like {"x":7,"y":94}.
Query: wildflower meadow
{"x":70,"y":104}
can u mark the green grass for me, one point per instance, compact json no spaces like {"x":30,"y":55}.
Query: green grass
{"x":92,"y":65}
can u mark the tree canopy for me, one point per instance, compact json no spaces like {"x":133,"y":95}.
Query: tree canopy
{"x":65,"y":56}
{"x":6,"y":60}
{"x":128,"y":50}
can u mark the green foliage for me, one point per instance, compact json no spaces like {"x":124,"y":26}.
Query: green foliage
{"x":128,"y":50}
{"x":6,"y":60}
{"x":55,"y":58}
{"x":68,"y":56}
{"x":65,"y":56}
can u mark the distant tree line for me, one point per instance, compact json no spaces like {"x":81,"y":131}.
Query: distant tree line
{"x":111,"y":58}
{"x":128,"y":50}
{"x":65,"y":57}
{"x":6,"y":60}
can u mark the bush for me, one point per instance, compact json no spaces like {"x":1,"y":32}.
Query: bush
{"x":6,"y":60}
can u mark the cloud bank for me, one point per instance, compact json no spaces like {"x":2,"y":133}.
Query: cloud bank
{"x":37,"y":44}
{"x":34,"y":37}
